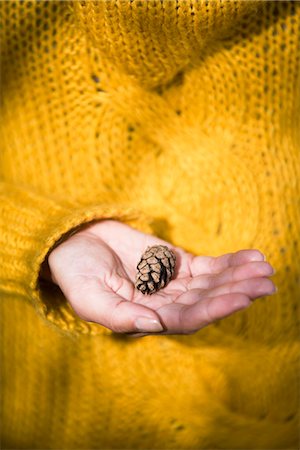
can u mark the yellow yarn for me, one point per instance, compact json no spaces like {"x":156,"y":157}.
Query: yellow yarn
{"x":180,"y":118}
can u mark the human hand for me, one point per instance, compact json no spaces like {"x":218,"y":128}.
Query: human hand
{"x":96,"y":267}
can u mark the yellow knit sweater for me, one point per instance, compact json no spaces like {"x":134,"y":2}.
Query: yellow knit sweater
{"x":181,"y":119}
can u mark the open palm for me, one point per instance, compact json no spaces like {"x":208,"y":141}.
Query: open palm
{"x":96,"y":269}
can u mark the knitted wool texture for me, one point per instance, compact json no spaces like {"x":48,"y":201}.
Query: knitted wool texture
{"x":181,"y":119}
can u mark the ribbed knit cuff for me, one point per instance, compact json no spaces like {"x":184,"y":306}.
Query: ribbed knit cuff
{"x":30,"y":226}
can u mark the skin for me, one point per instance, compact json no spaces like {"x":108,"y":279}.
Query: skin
{"x":96,"y":267}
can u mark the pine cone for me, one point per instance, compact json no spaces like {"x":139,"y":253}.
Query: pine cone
{"x":155,"y":269}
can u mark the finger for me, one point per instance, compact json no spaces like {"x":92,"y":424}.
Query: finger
{"x":232,"y":274}
{"x":210,"y":309}
{"x":94,"y":302}
{"x":253,"y":288}
{"x":212,"y":264}
{"x":187,"y":319}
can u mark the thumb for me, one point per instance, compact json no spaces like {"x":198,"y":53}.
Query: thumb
{"x":95,"y":302}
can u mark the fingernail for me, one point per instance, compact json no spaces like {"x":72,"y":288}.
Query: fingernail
{"x":265,"y":258}
{"x":146,"y":324}
{"x":274,"y":291}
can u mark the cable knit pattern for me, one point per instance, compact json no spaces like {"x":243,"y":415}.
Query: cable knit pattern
{"x":180,"y":118}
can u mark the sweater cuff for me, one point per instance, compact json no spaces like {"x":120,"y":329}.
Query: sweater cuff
{"x":31,"y":225}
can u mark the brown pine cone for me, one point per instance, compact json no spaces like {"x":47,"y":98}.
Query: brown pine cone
{"x":155,"y":269}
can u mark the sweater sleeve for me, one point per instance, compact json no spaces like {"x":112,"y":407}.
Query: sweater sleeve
{"x":31,"y":225}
